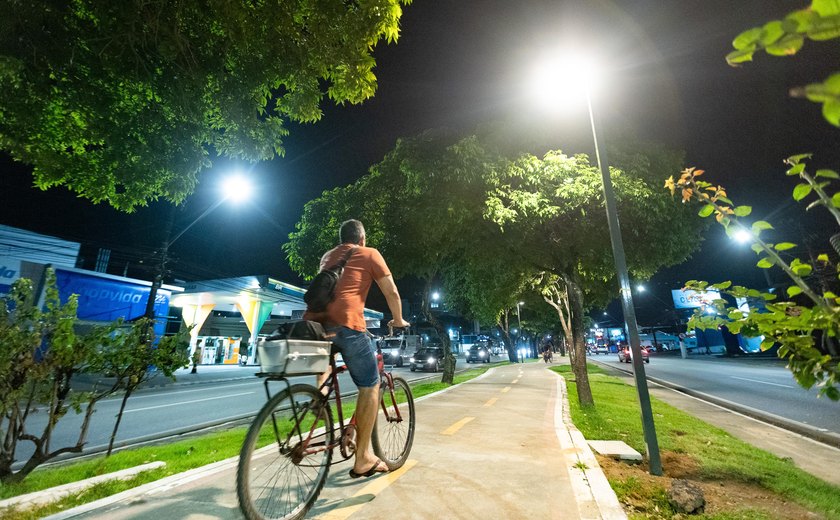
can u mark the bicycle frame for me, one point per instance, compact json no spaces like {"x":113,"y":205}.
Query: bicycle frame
{"x":331,"y":387}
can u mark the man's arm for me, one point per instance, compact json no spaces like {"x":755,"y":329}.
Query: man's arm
{"x":392,"y":296}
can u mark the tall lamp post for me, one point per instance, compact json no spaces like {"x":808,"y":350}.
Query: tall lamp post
{"x":235,"y":188}
{"x":580,"y":68}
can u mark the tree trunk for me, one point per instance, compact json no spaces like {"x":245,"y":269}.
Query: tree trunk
{"x":127,"y":394}
{"x":584,"y":391}
{"x":504,"y":328}
{"x":448,"y":358}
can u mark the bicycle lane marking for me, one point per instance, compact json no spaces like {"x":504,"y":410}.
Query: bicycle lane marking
{"x":457,"y":426}
{"x":491,"y":402}
{"x":368,"y":492}
{"x":505,"y":390}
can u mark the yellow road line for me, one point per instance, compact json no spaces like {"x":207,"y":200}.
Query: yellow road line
{"x":505,"y":389}
{"x":372,"y":489}
{"x":491,"y":402}
{"x":457,"y":426}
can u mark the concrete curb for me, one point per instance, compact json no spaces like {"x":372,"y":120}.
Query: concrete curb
{"x":595,"y":496}
{"x":53,"y":494}
{"x":149,"y":489}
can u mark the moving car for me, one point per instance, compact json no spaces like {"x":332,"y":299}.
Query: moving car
{"x":428,"y":358}
{"x":600,"y":349}
{"x":625,"y":355}
{"x":478,"y":354}
{"x":394,"y":351}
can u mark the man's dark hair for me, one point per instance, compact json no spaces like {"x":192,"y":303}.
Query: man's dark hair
{"x":351,"y":232}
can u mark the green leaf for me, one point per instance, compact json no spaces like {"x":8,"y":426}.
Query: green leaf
{"x":765,"y":263}
{"x":736,"y":57}
{"x":826,"y":7}
{"x":799,"y":21}
{"x":724,"y":199}
{"x":801,"y":191}
{"x":796,"y":159}
{"x":706,"y":210}
{"x":759,"y":226}
{"x":830,"y":174}
{"x":743,"y":211}
{"x":835,"y":200}
{"x":757,"y":248}
{"x":825,"y":28}
{"x":788,"y":45}
{"x":796,"y":169}
{"x":823,"y":258}
{"x":793,"y":290}
{"x":721,"y":286}
{"x":784,"y":246}
{"x":771,"y":32}
{"x":747,"y":39}
{"x":831,"y":111}
{"x":802,"y":269}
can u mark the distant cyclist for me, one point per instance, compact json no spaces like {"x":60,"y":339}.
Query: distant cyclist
{"x":345,"y":318}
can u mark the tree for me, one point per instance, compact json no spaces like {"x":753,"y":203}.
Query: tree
{"x":132,"y":356}
{"x":125,"y":102}
{"x":42,"y":352}
{"x":555,"y":205}
{"x":806,"y":324}
{"x":417,"y":204}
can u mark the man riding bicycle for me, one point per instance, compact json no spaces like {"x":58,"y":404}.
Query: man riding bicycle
{"x":344,"y":317}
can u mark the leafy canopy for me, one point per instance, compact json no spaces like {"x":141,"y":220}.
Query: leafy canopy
{"x":125,"y":102}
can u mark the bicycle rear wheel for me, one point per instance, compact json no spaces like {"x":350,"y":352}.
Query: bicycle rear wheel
{"x":393,"y":433}
{"x":286,"y":455}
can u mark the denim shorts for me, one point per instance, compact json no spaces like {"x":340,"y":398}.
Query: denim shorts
{"x":359,"y":355}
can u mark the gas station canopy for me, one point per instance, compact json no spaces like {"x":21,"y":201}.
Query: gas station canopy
{"x":255,"y":297}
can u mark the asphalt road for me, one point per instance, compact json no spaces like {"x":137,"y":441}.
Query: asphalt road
{"x":763,"y":384}
{"x":176,"y":408}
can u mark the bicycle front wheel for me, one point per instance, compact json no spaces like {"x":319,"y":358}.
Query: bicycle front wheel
{"x":393,"y":433}
{"x":286,"y":456}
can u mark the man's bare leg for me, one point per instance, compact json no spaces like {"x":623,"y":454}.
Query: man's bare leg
{"x":366,"y":408}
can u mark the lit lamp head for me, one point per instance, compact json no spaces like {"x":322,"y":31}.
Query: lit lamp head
{"x":237,"y":188}
{"x":563,"y":80}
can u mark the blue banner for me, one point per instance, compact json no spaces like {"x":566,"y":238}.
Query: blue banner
{"x":106,"y":299}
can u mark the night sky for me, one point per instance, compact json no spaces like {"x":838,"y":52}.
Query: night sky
{"x":461,"y":63}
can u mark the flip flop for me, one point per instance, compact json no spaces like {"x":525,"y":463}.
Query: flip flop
{"x":369,"y":473}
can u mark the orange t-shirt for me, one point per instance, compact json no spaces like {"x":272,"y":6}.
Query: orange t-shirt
{"x":348,"y":307}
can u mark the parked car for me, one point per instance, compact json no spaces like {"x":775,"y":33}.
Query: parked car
{"x":625,"y":355}
{"x":478,"y":354}
{"x":427,"y":358}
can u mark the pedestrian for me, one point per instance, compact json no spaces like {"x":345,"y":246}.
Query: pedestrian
{"x":344,"y":319}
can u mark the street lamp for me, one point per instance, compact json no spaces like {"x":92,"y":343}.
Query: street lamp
{"x":576,"y":74}
{"x":235,"y":188}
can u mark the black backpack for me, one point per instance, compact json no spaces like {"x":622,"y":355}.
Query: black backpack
{"x":322,"y":289}
{"x":300,"y":329}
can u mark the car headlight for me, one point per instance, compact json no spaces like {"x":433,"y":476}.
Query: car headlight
{"x":481,"y":354}
{"x":430,"y":360}
{"x":412,"y":359}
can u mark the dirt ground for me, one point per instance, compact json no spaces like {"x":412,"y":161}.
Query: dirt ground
{"x":722,"y":496}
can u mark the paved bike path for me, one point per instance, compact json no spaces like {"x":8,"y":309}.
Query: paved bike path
{"x":494,"y":447}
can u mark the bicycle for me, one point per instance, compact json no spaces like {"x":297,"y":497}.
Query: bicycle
{"x":288,"y":450}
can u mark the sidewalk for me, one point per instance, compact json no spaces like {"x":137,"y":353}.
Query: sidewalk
{"x":499,"y":446}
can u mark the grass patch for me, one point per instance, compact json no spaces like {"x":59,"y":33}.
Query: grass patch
{"x":179,"y":456}
{"x":718,"y":455}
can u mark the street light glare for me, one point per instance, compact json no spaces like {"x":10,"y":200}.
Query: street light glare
{"x":743,"y":236}
{"x":237,"y":188}
{"x":640,"y":288}
{"x":561,"y":81}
